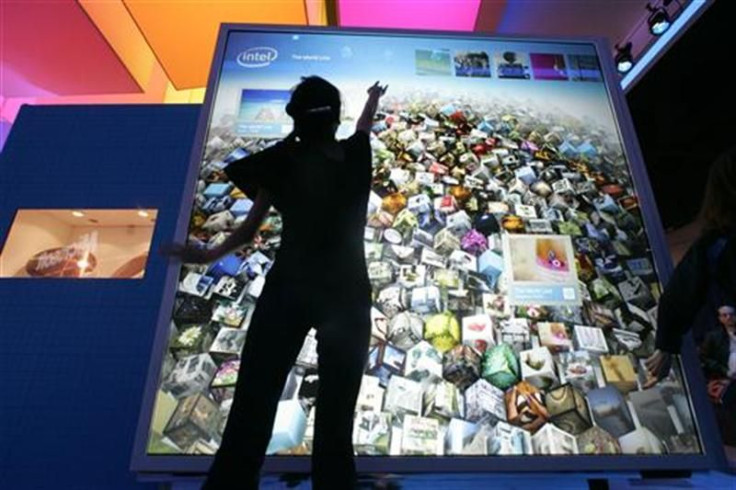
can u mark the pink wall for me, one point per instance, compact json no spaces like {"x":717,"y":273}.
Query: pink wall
{"x":448,"y":15}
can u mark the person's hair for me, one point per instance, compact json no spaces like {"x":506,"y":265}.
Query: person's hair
{"x":509,"y":56}
{"x":718,"y":211}
{"x":315,"y":108}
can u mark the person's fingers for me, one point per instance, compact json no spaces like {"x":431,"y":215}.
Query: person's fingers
{"x":655,"y":364}
{"x":651,"y":381}
{"x":658,"y":370}
{"x":715,"y":390}
{"x":655,"y":374}
{"x":655,"y":369}
{"x":652,"y":361}
{"x":721,"y":389}
{"x":652,"y":370}
{"x":657,"y":359}
{"x":663,"y":368}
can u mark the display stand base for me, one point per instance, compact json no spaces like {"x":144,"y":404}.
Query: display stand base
{"x":656,"y":477}
{"x":598,"y":484}
{"x":377,"y":482}
{"x":596,"y":481}
{"x":666,"y":474}
{"x":297,"y":480}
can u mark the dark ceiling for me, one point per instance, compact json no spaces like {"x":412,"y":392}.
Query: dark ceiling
{"x":684,"y":111}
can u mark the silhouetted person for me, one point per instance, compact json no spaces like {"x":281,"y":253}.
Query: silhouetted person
{"x":319,"y":279}
{"x":706,"y":275}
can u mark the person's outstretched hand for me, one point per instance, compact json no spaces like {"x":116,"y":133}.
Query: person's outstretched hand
{"x":658,"y":367}
{"x":365,"y":121}
{"x":376,"y":90}
{"x":716,"y":389}
{"x":187,"y":253}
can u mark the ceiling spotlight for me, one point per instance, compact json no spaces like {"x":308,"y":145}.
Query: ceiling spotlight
{"x":77,"y":214}
{"x":624,"y":60}
{"x":143,"y":214}
{"x":659,"y":20}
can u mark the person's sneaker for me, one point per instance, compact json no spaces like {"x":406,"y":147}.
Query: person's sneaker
{"x":379,"y":482}
{"x":293,"y":480}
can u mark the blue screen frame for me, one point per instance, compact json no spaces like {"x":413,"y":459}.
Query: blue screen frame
{"x":161,"y":467}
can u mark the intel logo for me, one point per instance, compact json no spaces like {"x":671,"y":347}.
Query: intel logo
{"x":257,"y":57}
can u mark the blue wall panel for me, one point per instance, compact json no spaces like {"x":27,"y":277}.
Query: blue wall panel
{"x":74,"y":354}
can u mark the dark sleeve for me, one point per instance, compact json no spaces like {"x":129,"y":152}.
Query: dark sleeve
{"x":358,"y":148}
{"x":682,"y":298}
{"x":257,"y":171}
{"x":726,"y":270}
{"x":710,"y":355}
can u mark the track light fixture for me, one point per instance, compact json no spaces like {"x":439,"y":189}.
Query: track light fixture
{"x":624,"y":60}
{"x":659,"y":20}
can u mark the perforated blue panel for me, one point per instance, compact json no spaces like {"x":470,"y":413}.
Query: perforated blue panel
{"x":74,"y":353}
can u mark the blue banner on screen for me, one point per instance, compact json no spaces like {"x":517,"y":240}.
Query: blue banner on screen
{"x":263,"y":115}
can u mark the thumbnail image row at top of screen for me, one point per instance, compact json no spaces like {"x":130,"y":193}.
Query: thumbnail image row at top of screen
{"x":507,"y":64}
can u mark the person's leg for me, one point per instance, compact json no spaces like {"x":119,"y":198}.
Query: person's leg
{"x":728,"y":428}
{"x":342,"y":345}
{"x":275,"y":335}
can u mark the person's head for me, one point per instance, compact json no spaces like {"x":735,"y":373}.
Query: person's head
{"x":315,"y":108}
{"x":727,"y":318}
{"x":719,"y":204}
{"x":509,"y":57}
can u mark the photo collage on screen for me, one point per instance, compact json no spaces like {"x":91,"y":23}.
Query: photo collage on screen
{"x":508,"y":65}
{"x":514,"y":291}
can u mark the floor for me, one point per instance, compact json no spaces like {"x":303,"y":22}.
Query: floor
{"x":711,"y":480}
{"x":617,"y":481}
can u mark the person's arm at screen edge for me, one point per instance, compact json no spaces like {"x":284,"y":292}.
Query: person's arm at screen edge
{"x":239,"y":236}
{"x":365,"y":122}
{"x":678,"y":305}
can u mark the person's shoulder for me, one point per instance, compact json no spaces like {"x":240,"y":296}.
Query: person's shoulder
{"x":359,"y":135}
{"x":714,"y":243}
{"x":715,"y":336}
{"x":359,"y":139}
{"x":276,"y":150}
{"x":704,"y":241}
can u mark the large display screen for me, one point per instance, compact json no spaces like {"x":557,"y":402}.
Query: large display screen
{"x":514,"y":292}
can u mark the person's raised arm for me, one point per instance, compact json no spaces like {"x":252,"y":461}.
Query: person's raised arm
{"x":365,"y":122}
{"x":239,"y":236}
{"x":678,"y":305}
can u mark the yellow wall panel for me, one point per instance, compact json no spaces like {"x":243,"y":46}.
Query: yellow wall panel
{"x":186,"y":96}
{"x":183,"y":34}
{"x":316,"y":12}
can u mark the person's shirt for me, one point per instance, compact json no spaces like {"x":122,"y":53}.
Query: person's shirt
{"x":718,"y":354}
{"x":715,"y":354}
{"x":322,"y":200}
{"x":687,"y":291}
{"x":731,"y":356}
